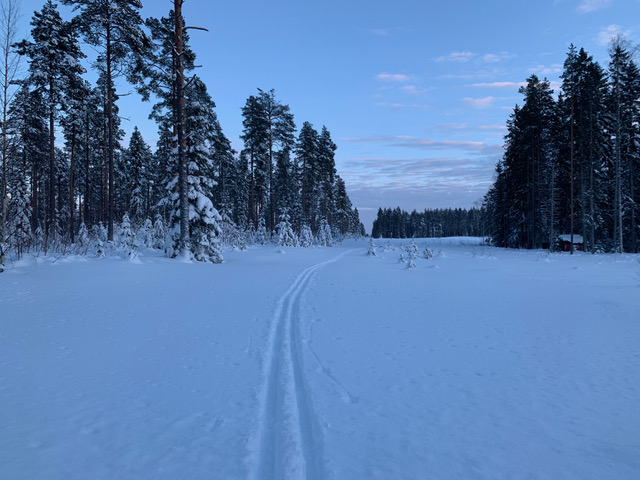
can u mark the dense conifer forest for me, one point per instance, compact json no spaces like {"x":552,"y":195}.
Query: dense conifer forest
{"x":448,"y":222}
{"x":68,"y":180}
{"x":571,"y":162}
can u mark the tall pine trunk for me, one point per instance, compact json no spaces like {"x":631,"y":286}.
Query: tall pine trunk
{"x":87,"y":191}
{"x":51,"y":217}
{"x":110,"y":147}
{"x":182,"y":161}
{"x":71,"y":188}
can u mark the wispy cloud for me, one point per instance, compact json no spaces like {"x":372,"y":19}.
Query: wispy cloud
{"x":467,"y":56}
{"x":403,"y":106}
{"x":427,"y":144}
{"x":449,"y":127}
{"x":588,"y":6}
{"x":552,"y":69}
{"x":498,"y":128}
{"x":510,"y":85}
{"x":611,"y":32}
{"x":497,"y":57}
{"x":480,"y":103}
{"x":393,"y":77}
{"x":413,"y":90}
{"x":418,"y":183}
{"x":380,"y":32}
{"x":457,"y":57}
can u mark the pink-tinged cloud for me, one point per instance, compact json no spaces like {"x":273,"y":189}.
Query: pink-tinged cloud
{"x":403,"y":141}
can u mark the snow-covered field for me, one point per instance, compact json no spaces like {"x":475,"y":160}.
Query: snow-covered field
{"x":480,"y":363}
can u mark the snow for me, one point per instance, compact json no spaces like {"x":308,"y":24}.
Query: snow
{"x":480,"y":363}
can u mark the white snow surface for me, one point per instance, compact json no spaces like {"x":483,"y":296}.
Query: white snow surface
{"x":323,"y":363}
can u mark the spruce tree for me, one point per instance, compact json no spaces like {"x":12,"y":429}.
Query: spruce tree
{"x":139,"y":161}
{"x":624,"y":79}
{"x":306,"y":150}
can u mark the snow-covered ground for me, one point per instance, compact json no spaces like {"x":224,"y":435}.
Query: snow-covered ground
{"x":480,"y":363}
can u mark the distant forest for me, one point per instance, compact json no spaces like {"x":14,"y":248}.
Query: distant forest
{"x":572,"y":164}
{"x":448,"y":222}
{"x":67,"y":179}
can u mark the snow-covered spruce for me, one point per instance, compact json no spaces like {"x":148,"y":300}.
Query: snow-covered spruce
{"x":261,"y":236}
{"x":20,"y":211}
{"x":412,"y":249}
{"x":204,"y":228}
{"x":306,"y":236}
{"x":144,"y":236}
{"x":205,"y":232}
{"x":286,"y":235}
{"x":127,"y":238}
{"x":325,"y":238}
{"x":372,"y":248}
{"x":159,"y":233}
{"x":82,"y":240}
{"x":231,"y":234}
{"x":427,"y":252}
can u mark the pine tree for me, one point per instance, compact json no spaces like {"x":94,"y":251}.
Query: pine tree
{"x":280,"y":128}
{"x":114,"y":27}
{"x":9,"y":63}
{"x":54,"y":56}
{"x":256,"y":143}
{"x":74,"y":122}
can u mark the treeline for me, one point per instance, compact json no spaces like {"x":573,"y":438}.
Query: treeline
{"x":458,"y":222}
{"x":571,"y":165}
{"x":66,"y":171}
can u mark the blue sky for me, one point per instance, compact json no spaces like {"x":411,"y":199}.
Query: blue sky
{"x":415,"y":93}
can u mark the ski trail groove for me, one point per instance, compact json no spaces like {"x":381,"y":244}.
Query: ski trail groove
{"x":288,"y":443}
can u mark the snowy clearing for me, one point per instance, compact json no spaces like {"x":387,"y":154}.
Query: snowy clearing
{"x":480,"y":363}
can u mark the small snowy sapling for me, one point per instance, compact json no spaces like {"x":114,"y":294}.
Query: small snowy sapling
{"x":372,"y":248}
{"x":306,"y":236}
{"x":286,"y":236}
{"x":427,"y":252}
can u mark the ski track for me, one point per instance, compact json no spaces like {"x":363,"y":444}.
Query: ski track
{"x":289,"y":444}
